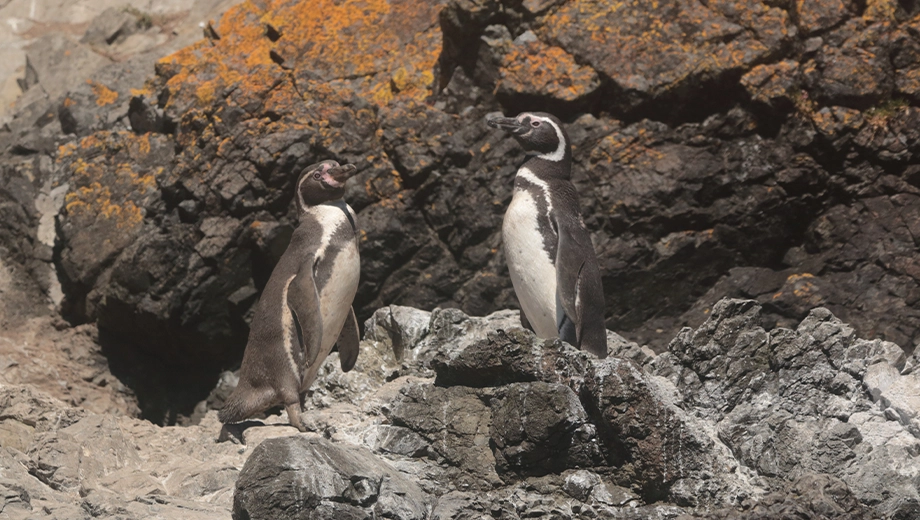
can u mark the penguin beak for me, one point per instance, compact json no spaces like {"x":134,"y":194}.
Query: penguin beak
{"x":508,"y":124}
{"x":340,"y":173}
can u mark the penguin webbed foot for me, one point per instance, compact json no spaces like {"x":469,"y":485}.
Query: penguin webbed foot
{"x":293,"y":412}
{"x":233,"y":432}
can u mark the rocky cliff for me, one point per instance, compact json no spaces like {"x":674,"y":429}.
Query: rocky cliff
{"x":448,"y":416}
{"x":742,"y":149}
{"x":760,"y":151}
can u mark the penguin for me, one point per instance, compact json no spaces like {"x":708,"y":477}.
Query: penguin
{"x":305,"y":308}
{"x":549,"y":252}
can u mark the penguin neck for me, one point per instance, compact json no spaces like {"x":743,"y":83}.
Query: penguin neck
{"x":546,"y":169}
{"x":339,"y":204}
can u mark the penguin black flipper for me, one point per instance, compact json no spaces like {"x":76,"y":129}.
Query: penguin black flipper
{"x":303,"y":300}
{"x":348,"y":342}
{"x":579,"y":289}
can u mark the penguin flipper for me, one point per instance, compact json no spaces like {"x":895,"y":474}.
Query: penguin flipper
{"x":348,"y":342}
{"x":579,"y":290}
{"x":303,"y":300}
{"x":589,"y":307}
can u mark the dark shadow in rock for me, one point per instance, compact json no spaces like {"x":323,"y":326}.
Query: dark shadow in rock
{"x":166,"y":393}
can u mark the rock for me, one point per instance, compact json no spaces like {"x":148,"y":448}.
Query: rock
{"x":57,"y":60}
{"x":795,"y":186}
{"x":790,"y":402}
{"x":314,"y":477}
{"x":807,"y":428}
{"x":111,"y":25}
{"x":652,"y":53}
{"x":812,"y":495}
{"x":455,"y":424}
{"x":399,"y":328}
{"x":540,"y":428}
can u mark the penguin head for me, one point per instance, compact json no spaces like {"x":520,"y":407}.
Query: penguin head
{"x":537,"y":132}
{"x":322,"y":182}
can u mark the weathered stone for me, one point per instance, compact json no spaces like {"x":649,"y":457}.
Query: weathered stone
{"x":540,"y":428}
{"x":456,"y":425}
{"x":58,"y":60}
{"x":303,"y":477}
{"x":804,"y":399}
{"x":112,"y":24}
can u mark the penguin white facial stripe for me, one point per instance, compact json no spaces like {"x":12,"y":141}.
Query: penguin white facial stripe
{"x":287,"y":326}
{"x":530,"y":177}
{"x":303,"y":204}
{"x":559,"y":153}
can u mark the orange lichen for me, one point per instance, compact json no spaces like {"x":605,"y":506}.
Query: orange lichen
{"x":95,"y":200}
{"x":880,"y":10}
{"x":535,"y":67}
{"x":832,"y":120}
{"x":767,"y":83}
{"x":656,"y":46}
{"x":384,"y":48}
{"x":802,"y":287}
{"x":632,"y":151}
{"x":107,"y":187}
{"x":104,"y":95}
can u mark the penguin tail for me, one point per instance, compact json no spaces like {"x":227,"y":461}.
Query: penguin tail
{"x":232,"y":411}
{"x":244,"y":402}
{"x":594,"y":340}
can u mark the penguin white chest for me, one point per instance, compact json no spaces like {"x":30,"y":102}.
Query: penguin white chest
{"x":338,"y":254}
{"x":533,"y":274}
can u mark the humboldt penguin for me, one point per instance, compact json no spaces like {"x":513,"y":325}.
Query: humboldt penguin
{"x":549,"y":252}
{"x":305,"y":308}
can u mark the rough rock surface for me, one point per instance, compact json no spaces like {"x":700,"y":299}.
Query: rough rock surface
{"x":731,"y":422}
{"x":759,"y":150}
{"x":754,"y":150}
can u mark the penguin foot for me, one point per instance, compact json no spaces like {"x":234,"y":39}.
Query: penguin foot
{"x":293,"y":412}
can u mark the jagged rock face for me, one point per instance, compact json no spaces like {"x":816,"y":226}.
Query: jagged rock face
{"x":742,"y":149}
{"x":820,"y":423}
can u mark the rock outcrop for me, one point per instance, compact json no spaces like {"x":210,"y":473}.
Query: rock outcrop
{"x":753,"y":150}
{"x":476,"y":416}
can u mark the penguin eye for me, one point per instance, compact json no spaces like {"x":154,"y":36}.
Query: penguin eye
{"x":535,"y":123}
{"x":317,"y":175}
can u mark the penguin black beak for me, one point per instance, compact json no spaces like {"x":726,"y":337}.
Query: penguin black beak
{"x":508,"y":124}
{"x":341,"y":173}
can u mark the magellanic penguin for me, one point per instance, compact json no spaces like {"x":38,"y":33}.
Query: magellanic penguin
{"x":549,"y":252}
{"x":305,"y":308}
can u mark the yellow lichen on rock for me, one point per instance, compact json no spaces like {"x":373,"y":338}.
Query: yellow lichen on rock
{"x":537,"y":68}
{"x":101,"y":191}
{"x":104,"y":95}
{"x":880,"y":10}
{"x":386,"y":48}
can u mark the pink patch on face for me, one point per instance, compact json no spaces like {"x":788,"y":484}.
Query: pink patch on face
{"x":329,"y":180}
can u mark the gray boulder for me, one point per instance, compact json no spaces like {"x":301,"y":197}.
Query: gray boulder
{"x":814,"y":400}
{"x":312,"y":478}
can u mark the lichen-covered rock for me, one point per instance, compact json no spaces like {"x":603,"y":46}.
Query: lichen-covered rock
{"x":748,"y":149}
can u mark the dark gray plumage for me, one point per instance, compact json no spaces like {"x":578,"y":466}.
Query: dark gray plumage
{"x":549,"y":252}
{"x":305,"y":308}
